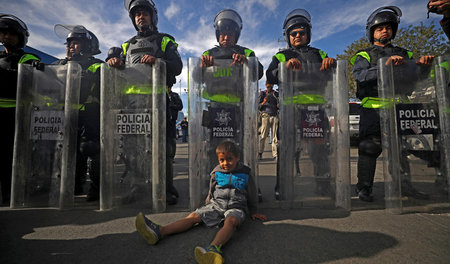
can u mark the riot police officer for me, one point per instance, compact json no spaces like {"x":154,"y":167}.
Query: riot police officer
{"x":146,"y":47}
{"x":228,"y":26}
{"x":14,"y":36}
{"x":297,"y":32}
{"x":81,"y":45}
{"x":381,"y":29}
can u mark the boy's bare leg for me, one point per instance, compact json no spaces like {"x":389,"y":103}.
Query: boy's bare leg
{"x":181,"y":225}
{"x":224,"y":234}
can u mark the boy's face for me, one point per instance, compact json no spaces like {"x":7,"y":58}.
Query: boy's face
{"x":227,"y":160}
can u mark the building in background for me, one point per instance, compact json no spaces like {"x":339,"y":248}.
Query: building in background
{"x":46,"y":58}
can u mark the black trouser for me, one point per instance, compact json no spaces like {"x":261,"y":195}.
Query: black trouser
{"x":171,"y":147}
{"x":8,"y":118}
{"x":369,"y":147}
{"x":88,"y":147}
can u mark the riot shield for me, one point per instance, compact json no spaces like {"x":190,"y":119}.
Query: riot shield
{"x":414,"y":127}
{"x":222,"y":106}
{"x":46,"y":136}
{"x":314,"y":141}
{"x":133,"y":136}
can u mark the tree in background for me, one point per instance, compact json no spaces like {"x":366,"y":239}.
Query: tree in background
{"x":421,"y":40}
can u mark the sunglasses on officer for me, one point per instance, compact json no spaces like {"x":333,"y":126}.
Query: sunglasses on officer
{"x":295,"y":33}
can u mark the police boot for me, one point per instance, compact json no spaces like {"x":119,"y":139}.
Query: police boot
{"x":171,"y":199}
{"x":365,"y":194}
{"x":94,"y":172}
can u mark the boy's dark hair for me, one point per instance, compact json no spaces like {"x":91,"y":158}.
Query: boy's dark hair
{"x":228,"y":146}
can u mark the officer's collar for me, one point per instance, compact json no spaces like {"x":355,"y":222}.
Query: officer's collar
{"x":301,"y":47}
{"x":146,"y":33}
{"x":389,"y":45}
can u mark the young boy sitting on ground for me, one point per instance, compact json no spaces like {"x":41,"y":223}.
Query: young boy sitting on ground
{"x":232,"y":194}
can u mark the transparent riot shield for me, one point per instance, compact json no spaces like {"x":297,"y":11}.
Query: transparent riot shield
{"x":222,"y":106}
{"x":133,"y":136}
{"x":314,"y":141}
{"x":46,"y":136}
{"x":414,"y":127}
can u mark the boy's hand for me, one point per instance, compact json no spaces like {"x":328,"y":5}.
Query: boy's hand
{"x":259,"y":217}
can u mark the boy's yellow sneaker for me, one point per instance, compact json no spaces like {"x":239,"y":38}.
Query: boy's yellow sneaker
{"x":211,"y":255}
{"x":148,"y":230}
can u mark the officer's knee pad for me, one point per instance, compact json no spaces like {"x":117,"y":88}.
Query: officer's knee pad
{"x":370,"y":147}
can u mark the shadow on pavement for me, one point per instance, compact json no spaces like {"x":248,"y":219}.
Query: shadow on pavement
{"x":254,"y":242}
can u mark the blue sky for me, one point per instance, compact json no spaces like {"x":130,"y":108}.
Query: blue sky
{"x":336,"y":23}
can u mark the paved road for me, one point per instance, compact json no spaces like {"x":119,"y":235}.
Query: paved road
{"x":367,"y":234}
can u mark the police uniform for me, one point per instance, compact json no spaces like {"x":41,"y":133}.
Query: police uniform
{"x":88,"y":141}
{"x":8,"y":75}
{"x":174,"y":105}
{"x":161,"y":46}
{"x":214,"y":92}
{"x":365,"y":74}
{"x":306,"y":55}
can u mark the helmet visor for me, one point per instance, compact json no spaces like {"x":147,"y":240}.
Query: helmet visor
{"x":14,"y":18}
{"x":225,"y":15}
{"x":394,"y":9}
{"x":66,"y":31}
{"x":127,"y":3}
{"x":297,"y":13}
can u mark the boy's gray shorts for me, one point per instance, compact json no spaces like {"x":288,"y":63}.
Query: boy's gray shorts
{"x":212,"y":215}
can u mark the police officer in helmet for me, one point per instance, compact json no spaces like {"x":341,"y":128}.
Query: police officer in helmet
{"x":297,"y":32}
{"x":228,"y":26}
{"x":81,"y":45}
{"x":381,"y":29}
{"x":13,"y":36}
{"x":147,"y":46}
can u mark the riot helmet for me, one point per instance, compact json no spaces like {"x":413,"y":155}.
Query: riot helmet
{"x":228,"y":20}
{"x":132,"y":5}
{"x":13,"y":24}
{"x":297,"y":18}
{"x":383,"y":15}
{"x":70,"y":32}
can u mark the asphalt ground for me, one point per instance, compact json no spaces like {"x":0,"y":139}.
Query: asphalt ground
{"x":308,"y":234}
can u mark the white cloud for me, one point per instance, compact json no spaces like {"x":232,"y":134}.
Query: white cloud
{"x":172,"y":10}
{"x":252,"y":14}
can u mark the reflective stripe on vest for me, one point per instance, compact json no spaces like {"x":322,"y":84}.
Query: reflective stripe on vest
{"x":7,"y":103}
{"x":410,"y":54}
{"x":94,"y":67}
{"x":377,"y":103}
{"x":28,"y":57}
{"x":166,"y":41}
{"x":125,"y":47}
{"x":366,"y":55}
{"x":143,"y":89}
{"x":363,"y":54}
{"x":222,"y":98}
{"x":280,"y":57}
{"x":248,"y":52}
{"x":305,"y":99}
